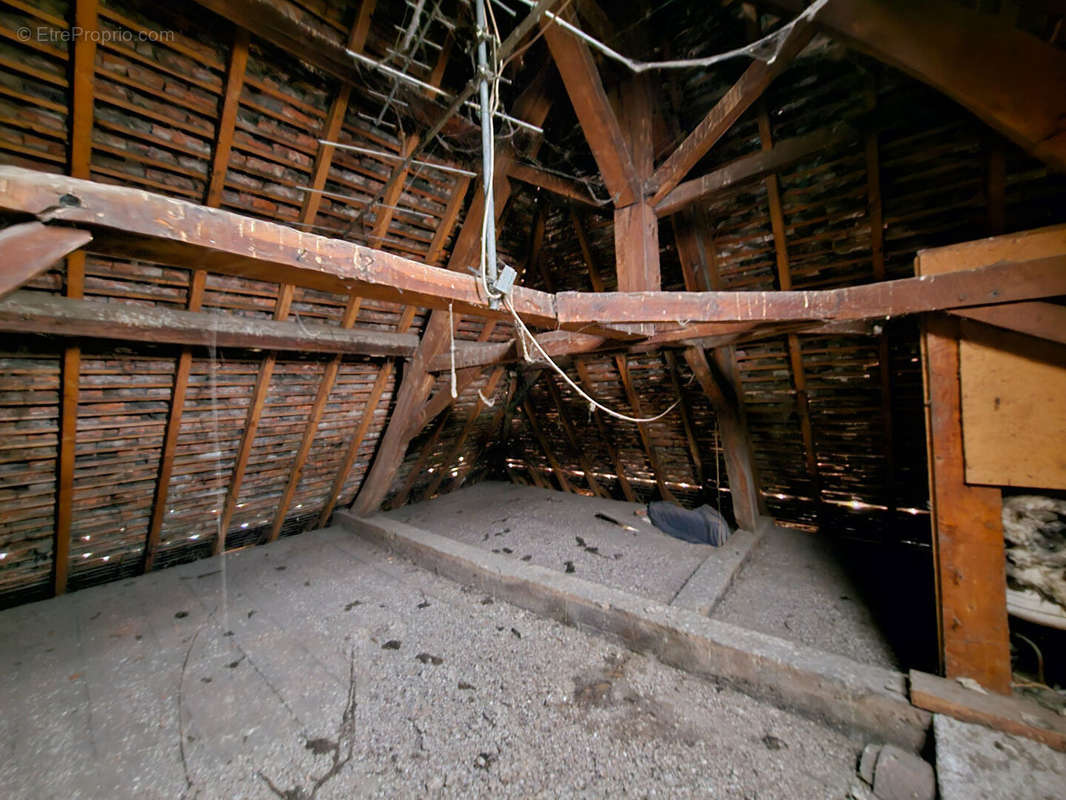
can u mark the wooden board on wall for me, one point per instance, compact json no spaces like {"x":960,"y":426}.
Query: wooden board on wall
{"x":1013,"y":408}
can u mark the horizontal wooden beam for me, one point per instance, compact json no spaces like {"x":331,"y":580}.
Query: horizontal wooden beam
{"x":140,"y":225}
{"x":33,"y":312}
{"x":783,"y":155}
{"x":556,"y":184}
{"x":1000,"y":283}
{"x":30,"y":248}
{"x":1042,"y":320}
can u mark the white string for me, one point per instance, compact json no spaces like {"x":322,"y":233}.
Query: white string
{"x":757,"y":50}
{"x":488,"y":401}
{"x":451,"y":335}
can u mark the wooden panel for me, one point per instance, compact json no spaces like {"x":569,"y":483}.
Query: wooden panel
{"x":1013,"y":408}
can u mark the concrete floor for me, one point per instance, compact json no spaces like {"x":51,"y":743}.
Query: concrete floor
{"x":319,"y":661}
{"x":793,"y":585}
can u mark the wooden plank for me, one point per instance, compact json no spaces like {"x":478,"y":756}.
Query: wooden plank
{"x":1013,"y":408}
{"x":743,"y":487}
{"x":726,"y":111}
{"x":598,"y":122}
{"x":997,"y":283}
{"x":83,"y":78}
{"x":968,"y":547}
{"x":622,"y":364}
{"x":1042,"y":320}
{"x":141,"y":225}
{"x":31,"y":247}
{"x":227,"y":120}
{"x":251,"y":425}
{"x":781,"y":156}
{"x":1010,"y":714}
{"x":556,"y":184}
{"x":420,"y":463}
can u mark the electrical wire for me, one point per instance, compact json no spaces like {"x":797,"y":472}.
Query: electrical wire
{"x":765,"y":49}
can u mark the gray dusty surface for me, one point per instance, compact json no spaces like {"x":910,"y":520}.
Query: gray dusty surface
{"x":321,"y":661}
{"x":978,"y":763}
{"x":794,"y":586}
{"x":543,"y":525}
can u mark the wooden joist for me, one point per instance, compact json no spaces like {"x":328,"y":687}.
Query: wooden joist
{"x":556,"y":184}
{"x":998,"y":283}
{"x":132,"y":223}
{"x":599,"y":123}
{"x":1042,"y":320}
{"x":725,"y":112}
{"x":33,"y":312}
{"x":227,"y":120}
{"x":30,"y":248}
{"x":746,"y":168}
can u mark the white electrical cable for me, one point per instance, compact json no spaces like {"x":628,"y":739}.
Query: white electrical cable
{"x":451,"y":334}
{"x":524,"y":333}
{"x":756,"y":49}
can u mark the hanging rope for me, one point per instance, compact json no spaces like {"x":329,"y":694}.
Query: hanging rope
{"x":451,"y":335}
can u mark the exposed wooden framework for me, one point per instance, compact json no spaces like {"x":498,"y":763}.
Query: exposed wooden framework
{"x":31,"y":247}
{"x":606,"y":437}
{"x":83,"y":65}
{"x":577,"y":451}
{"x":534,"y":426}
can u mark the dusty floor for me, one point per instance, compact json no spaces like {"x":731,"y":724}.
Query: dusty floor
{"x":319,"y":661}
{"x":792,"y":586}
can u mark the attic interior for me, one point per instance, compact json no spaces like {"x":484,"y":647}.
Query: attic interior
{"x":800,"y":264}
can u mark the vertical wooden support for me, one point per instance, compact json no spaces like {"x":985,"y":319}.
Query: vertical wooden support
{"x":636,"y":228}
{"x":621,"y":362}
{"x":968,"y":547}
{"x":83,"y":76}
{"x":877,"y":251}
{"x":686,"y":420}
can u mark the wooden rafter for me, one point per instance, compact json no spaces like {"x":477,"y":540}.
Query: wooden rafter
{"x":599,"y":123}
{"x":576,"y":449}
{"x":423,"y":456}
{"x":725,"y":112}
{"x":534,"y":426}
{"x":83,"y":75}
{"x":1042,"y":320}
{"x":451,"y":458}
{"x":227,"y":120}
{"x":643,"y":429}
{"x":556,"y":184}
{"x":685,"y":412}
{"x":606,"y":437}
{"x":31,"y":247}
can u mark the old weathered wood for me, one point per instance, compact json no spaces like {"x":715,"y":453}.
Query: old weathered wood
{"x":251,"y":425}
{"x":576,"y":449}
{"x":33,"y":312}
{"x":420,"y":463}
{"x":968,"y":545}
{"x":743,"y":486}
{"x":606,"y":437}
{"x":685,"y":411}
{"x":141,"y":225}
{"x":1013,"y":408}
{"x":998,"y":283}
{"x":83,"y":69}
{"x":452,"y":456}
{"x":782,"y":155}
{"x":636,"y":228}
{"x":556,"y":184}
{"x":650,"y":452}
{"x":1006,"y":76}
{"x":30,"y":248}
{"x":725,"y":112}
{"x":538,"y":434}
{"x":227,"y":120}
{"x":1042,"y":320}
{"x":1015,"y":715}
{"x":602,"y":130}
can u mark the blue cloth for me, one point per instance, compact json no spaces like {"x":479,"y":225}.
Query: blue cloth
{"x":703,"y":525}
